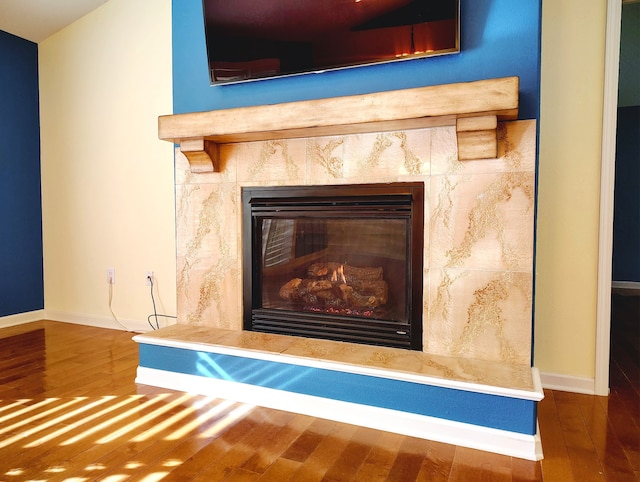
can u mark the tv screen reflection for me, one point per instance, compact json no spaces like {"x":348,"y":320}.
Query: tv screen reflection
{"x":257,"y":39}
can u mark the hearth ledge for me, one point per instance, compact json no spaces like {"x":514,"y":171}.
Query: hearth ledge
{"x":497,"y":378}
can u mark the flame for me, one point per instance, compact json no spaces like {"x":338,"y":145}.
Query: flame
{"x":338,"y":273}
{"x":341,"y":273}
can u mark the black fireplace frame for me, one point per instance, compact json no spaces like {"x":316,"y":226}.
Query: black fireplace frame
{"x":403,"y":200}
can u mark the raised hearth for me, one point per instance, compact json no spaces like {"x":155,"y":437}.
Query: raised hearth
{"x":473,"y":403}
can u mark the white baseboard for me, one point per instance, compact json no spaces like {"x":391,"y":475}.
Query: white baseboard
{"x":77,"y":319}
{"x":97,"y":321}
{"x":568,"y":383}
{"x":446,"y":431}
{"x":626,"y":285}
{"x":21,"y":318}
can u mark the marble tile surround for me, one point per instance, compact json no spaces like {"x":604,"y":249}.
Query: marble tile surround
{"x":479,"y":224}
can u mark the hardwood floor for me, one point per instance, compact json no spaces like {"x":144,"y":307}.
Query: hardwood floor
{"x":70,"y":410}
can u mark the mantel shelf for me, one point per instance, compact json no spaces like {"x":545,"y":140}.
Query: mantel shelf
{"x":473,"y":107}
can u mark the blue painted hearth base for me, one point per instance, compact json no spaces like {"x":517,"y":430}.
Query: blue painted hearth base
{"x":486,"y":410}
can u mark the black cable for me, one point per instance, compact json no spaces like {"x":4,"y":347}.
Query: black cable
{"x":155,"y":312}
{"x":156,"y":316}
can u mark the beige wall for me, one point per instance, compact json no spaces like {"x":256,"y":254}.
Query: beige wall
{"x":107,"y":181}
{"x":569,"y":184}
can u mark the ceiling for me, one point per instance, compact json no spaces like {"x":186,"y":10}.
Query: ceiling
{"x":36,"y":20}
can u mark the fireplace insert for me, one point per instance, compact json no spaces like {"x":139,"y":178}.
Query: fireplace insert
{"x":339,"y":262}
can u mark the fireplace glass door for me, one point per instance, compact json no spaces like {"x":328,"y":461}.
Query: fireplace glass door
{"x":335,"y":262}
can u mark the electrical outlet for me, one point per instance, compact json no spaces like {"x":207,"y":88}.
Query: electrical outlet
{"x":111,"y":275}
{"x":149,"y":278}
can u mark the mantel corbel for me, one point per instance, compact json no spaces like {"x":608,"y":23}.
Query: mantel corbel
{"x":474,"y":108}
{"x":202,"y":154}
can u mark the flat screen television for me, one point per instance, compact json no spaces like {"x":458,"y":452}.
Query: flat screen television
{"x":257,"y":39}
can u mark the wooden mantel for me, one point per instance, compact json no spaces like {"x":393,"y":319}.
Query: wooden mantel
{"x":473,"y":107}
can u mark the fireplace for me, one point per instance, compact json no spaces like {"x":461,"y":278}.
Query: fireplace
{"x":313,"y":173}
{"x":340,"y":262}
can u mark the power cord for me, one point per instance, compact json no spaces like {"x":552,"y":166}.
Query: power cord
{"x":155,"y":312}
{"x":111,"y":308}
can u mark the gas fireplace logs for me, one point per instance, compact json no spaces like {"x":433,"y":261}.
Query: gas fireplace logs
{"x":336,"y":285}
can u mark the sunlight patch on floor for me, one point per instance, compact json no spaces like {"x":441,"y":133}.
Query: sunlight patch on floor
{"x":164,"y":424}
{"x":220,"y":408}
{"x":115,"y":478}
{"x":117,"y":418}
{"x":143,"y":420}
{"x":60,"y":419}
{"x":14,"y":472}
{"x":155,"y":477}
{"x":230,"y":419}
{"x":30,"y":420}
{"x":28,"y":409}
{"x":54,"y":425}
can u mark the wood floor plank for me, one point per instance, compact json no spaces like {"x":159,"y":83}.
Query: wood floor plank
{"x":555,"y":465}
{"x":605,"y":440}
{"x":383,"y":454}
{"x":307,"y":442}
{"x":348,"y":463}
{"x":238,"y":475}
{"x":329,"y":448}
{"x":228,"y":463}
{"x":282,"y":470}
{"x":409,"y":460}
{"x":268,"y":450}
{"x":625,"y":427}
{"x":470,"y":464}
{"x":437,"y":462}
{"x":526,"y":471}
{"x":582,"y":454}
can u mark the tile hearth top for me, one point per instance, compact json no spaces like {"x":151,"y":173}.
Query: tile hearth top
{"x":473,"y":375}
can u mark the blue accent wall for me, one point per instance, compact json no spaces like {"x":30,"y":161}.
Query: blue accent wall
{"x":498,"y":39}
{"x":629,"y":82}
{"x":626,"y":216}
{"x":21,"y":283}
{"x":626,"y":212}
